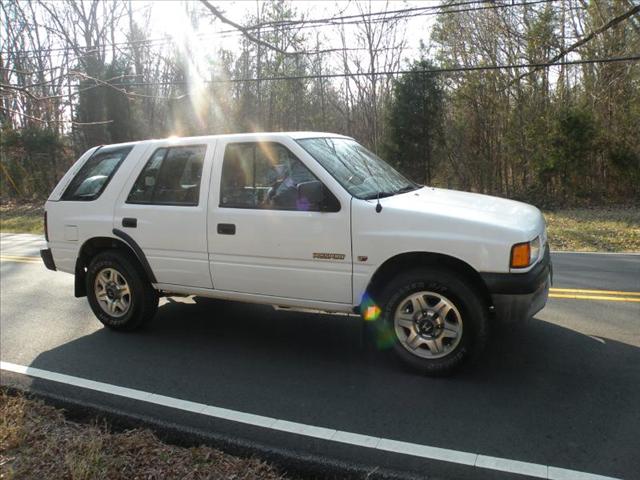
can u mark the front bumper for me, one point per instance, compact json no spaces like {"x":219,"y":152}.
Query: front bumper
{"x":47,"y":258}
{"x":519,"y":296}
{"x":516,"y":308}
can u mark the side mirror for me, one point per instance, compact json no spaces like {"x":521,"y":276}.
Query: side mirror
{"x":310,"y":192}
{"x":315,"y":193}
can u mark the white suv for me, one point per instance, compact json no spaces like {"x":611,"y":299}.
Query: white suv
{"x":299,"y":220}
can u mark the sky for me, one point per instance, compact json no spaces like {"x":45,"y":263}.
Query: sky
{"x":167,"y":17}
{"x":201,"y":45}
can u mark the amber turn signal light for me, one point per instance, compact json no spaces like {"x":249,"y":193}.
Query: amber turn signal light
{"x":520,"y":255}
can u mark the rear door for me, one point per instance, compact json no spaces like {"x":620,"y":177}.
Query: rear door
{"x":264,"y":238}
{"x":163,"y":208}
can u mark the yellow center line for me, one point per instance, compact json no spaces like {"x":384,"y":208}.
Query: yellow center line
{"x":19,"y":259}
{"x":570,"y":293}
{"x":594,"y":297}
{"x":580,"y":291}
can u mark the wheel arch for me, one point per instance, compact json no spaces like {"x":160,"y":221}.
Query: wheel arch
{"x":95,"y":245}
{"x":411,"y":260}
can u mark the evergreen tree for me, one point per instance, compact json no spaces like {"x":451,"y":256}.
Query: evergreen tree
{"x":414,"y":122}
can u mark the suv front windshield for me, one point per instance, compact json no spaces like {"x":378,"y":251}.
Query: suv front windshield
{"x":359,"y":171}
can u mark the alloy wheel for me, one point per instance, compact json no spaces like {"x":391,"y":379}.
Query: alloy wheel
{"x":428,"y":324}
{"x":112,"y":292}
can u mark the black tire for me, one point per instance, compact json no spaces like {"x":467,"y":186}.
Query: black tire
{"x":459,"y":292}
{"x":143,"y":298}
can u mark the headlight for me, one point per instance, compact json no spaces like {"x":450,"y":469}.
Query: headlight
{"x":535,"y":249}
{"x":524,"y":254}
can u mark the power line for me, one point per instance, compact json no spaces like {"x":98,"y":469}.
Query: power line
{"x":410,"y":12}
{"x":321,"y":51}
{"x":324,"y":22}
{"x":396,"y":72}
{"x":611,"y":23}
{"x":121,"y":86}
{"x":286,"y":23}
{"x":414,"y":10}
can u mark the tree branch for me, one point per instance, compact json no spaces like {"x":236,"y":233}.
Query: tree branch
{"x":242,"y":29}
{"x":103,"y":122}
{"x":611,"y":23}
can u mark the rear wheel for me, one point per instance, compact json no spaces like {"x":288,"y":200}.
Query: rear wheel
{"x":433,"y":320}
{"x":119,"y":293}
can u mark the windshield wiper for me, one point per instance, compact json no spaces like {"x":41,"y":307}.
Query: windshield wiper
{"x":408,"y":188}
{"x":383,"y":194}
{"x":380,"y":194}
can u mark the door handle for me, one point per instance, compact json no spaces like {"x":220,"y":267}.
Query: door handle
{"x":226,"y":229}
{"x":129,"y":222}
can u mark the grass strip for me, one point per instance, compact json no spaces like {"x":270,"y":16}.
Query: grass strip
{"x":37,"y":441}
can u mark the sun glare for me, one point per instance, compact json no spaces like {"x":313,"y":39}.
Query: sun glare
{"x":171,"y":19}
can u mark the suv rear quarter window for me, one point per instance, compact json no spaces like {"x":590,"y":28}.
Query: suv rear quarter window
{"x":96,"y":173}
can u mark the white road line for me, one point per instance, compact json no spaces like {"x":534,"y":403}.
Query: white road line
{"x":513,"y":466}
{"x":383,"y":444}
{"x":556,"y":473}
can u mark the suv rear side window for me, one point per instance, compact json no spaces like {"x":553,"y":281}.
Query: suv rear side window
{"x":94,"y":176}
{"x":170,"y":177}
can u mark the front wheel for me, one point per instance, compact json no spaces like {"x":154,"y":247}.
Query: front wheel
{"x":119,"y":294}
{"x":433,"y":320}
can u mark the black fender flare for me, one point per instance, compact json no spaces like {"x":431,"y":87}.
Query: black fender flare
{"x":139,"y":253}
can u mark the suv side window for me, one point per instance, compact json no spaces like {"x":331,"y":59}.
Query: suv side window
{"x":263,"y":175}
{"x":96,"y":173}
{"x":170,"y":177}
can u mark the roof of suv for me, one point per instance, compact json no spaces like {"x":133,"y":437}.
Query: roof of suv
{"x":264,"y":136}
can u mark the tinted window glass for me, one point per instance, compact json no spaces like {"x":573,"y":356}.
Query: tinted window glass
{"x":94,"y":176}
{"x":359,"y":171}
{"x":263,"y":175}
{"x":142,"y":190}
{"x":170,"y":177}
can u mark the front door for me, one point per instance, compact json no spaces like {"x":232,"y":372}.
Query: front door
{"x":266,"y":237}
{"x":164,"y":209}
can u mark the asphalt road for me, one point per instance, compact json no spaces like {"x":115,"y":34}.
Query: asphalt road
{"x":562,"y":390}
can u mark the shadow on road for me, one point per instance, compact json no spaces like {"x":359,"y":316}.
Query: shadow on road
{"x":541,"y":393}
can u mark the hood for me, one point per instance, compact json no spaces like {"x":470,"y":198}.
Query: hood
{"x":523,"y":220}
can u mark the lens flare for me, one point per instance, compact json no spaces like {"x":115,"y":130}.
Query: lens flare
{"x":191,"y":109}
{"x":384,"y":336}
{"x":372,"y":313}
{"x":370,"y":310}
